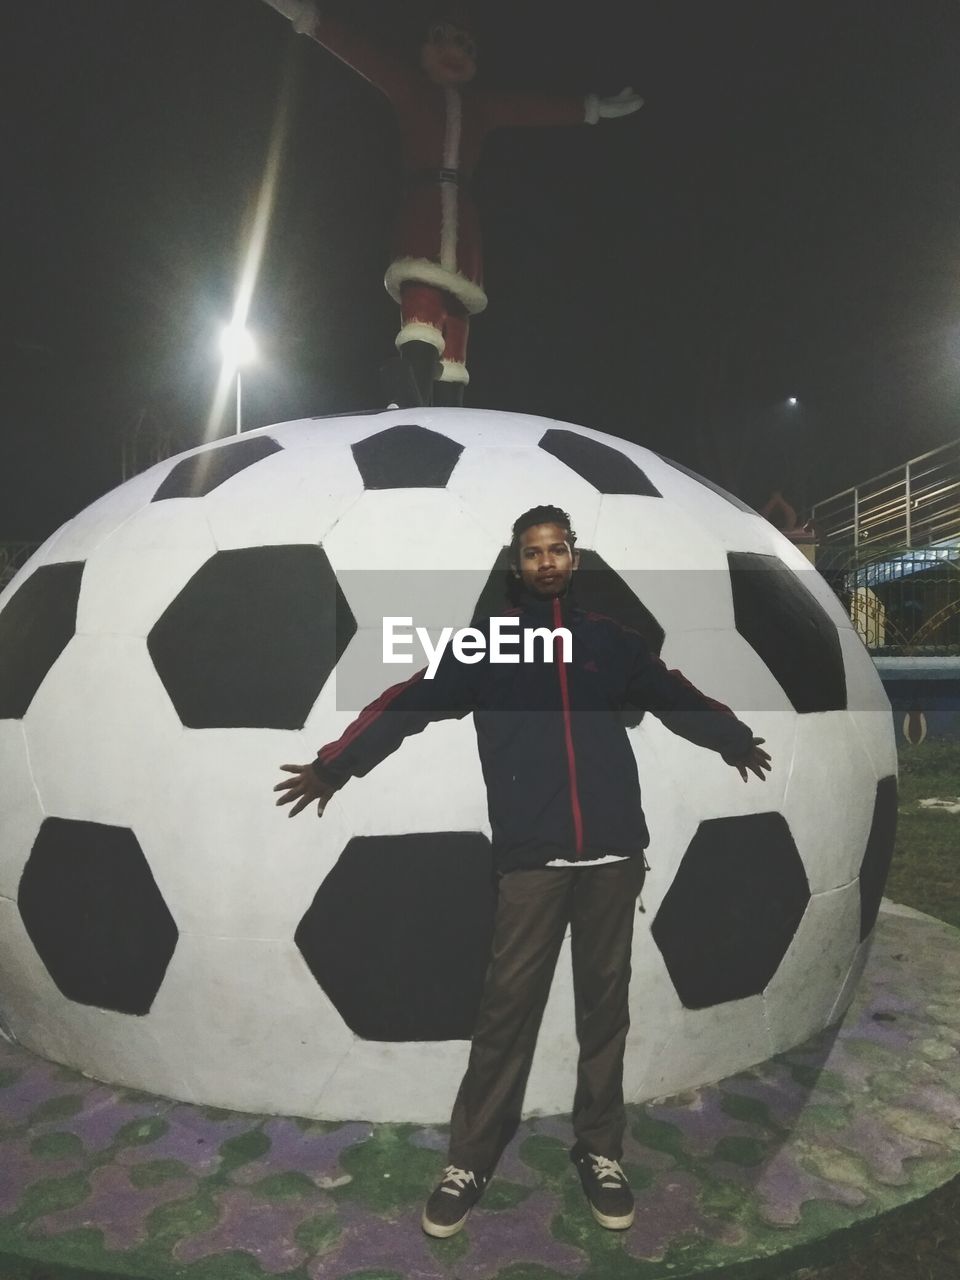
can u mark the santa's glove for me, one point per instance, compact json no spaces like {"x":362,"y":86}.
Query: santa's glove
{"x":624,"y":104}
{"x":300,"y":12}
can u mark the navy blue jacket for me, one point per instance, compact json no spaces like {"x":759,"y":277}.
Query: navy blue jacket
{"x":560,"y":772}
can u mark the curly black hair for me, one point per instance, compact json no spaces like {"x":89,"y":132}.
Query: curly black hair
{"x":539,"y":515}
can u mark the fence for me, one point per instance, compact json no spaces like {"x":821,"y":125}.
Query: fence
{"x":890,"y":548}
{"x":12,"y":556}
{"x":911,"y":506}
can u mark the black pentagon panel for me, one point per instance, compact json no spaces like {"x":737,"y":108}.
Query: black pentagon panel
{"x":251,"y":639}
{"x":399,"y":934}
{"x":718,"y":489}
{"x":95,"y":915}
{"x":406,"y":457}
{"x":728,"y":918}
{"x":36,"y":626}
{"x":878,"y":855}
{"x":790,"y":630}
{"x":194,"y":476}
{"x":606,"y":468}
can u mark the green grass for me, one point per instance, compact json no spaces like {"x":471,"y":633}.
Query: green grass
{"x":925,"y":872}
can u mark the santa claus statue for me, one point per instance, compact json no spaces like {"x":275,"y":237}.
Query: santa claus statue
{"x":435,"y":273}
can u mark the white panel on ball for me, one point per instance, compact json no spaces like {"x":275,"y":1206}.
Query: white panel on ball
{"x":449,"y":794}
{"x":22,"y":811}
{"x":655,"y":1006}
{"x":672,"y":566}
{"x":868,"y":705}
{"x":133,"y":574}
{"x":384,"y":1079}
{"x":831,"y":764}
{"x":849,"y":988}
{"x":236,"y":870}
{"x":290,"y":497}
{"x":103,"y":734}
{"x":382,"y":547}
{"x":80,"y":537}
{"x":253,"y":1003}
{"x":815,"y":966}
{"x":499,"y":484}
{"x":705,"y":1045}
{"x":734,"y":529}
{"x":725,"y":666}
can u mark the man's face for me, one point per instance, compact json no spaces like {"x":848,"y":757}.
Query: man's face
{"x":545,"y":559}
{"x":449,"y":55}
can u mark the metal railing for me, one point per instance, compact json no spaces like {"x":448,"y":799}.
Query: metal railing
{"x":911,"y":506}
{"x":905,"y":604}
{"x":12,"y":556}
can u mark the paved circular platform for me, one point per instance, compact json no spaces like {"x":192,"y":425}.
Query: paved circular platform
{"x":754,"y":1174}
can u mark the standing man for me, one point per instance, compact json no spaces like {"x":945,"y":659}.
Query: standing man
{"x":435,"y":273}
{"x":568,"y":842}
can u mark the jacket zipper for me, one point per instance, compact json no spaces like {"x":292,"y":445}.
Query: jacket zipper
{"x":568,"y":731}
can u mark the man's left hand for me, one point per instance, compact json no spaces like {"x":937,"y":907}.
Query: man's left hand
{"x":756,"y":760}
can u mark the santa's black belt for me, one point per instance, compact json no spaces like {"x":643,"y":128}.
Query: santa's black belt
{"x":424,"y":177}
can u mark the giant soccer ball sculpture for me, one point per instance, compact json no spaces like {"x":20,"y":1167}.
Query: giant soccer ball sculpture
{"x":164,"y":926}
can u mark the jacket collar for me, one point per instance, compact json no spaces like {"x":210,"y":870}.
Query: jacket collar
{"x":542,"y":608}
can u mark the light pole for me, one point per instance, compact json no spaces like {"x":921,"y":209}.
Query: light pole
{"x":238,"y":349}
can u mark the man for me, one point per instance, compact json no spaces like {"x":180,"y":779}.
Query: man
{"x":568,"y":841}
{"x":435,"y":273}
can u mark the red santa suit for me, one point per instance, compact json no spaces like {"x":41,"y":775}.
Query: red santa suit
{"x":436,"y":271}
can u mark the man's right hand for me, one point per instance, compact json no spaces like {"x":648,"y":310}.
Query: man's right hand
{"x":304,"y":788}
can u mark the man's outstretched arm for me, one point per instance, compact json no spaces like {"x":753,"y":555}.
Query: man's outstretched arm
{"x":400,"y":711}
{"x":686,"y":711}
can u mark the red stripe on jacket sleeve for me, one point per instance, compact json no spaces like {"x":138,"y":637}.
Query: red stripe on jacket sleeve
{"x":366,"y":717}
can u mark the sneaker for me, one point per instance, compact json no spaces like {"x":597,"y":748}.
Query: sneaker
{"x":606,"y":1188}
{"x":449,"y":1206}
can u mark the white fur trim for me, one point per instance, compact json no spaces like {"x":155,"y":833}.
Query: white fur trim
{"x":454,"y":371}
{"x":591,"y":108}
{"x":416,"y":331}
{"x":424,"y":271}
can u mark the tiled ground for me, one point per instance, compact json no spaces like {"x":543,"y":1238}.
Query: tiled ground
{"x":767,"y":1162}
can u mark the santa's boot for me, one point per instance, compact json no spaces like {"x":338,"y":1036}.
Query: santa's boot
{"x":449,"y":395}
{"x":398,"y":384}
{"x":424,"y":364}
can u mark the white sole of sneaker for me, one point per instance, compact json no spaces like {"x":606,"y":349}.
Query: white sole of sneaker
{"x":439,"y":1231}
{"x":611,"y":1223}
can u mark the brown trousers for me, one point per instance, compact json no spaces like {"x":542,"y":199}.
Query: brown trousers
{"x":533,"y":910}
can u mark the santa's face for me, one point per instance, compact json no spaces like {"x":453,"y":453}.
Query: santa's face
{"x":449,"y":55}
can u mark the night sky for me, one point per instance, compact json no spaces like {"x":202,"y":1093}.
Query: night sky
{"x":781,"y":219}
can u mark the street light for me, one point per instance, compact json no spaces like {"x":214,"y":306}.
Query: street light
{"x":237,"y":347}
{"x":792,"y":401}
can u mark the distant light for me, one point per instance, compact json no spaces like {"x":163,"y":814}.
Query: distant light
{"x":792,"y":401}
{"x":237,"y":346}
